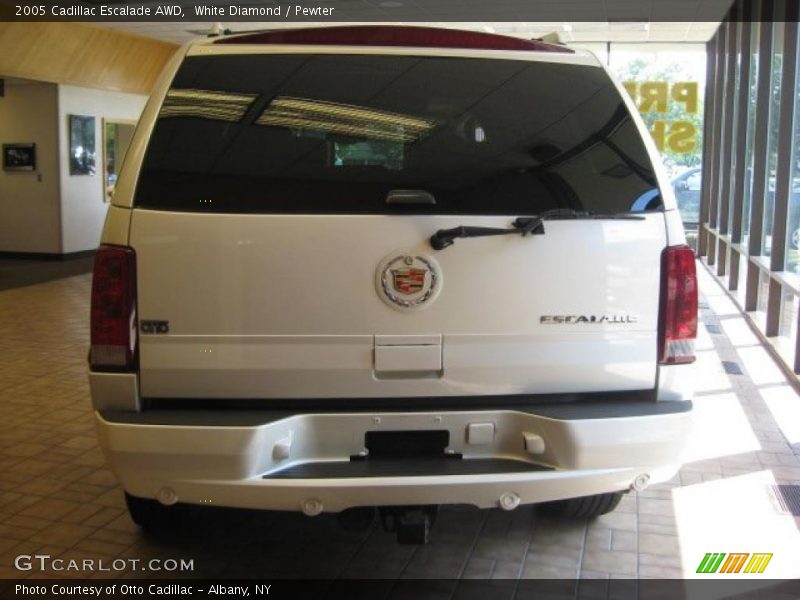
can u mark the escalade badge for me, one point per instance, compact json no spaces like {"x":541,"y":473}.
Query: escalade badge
{"x":408,"y":281}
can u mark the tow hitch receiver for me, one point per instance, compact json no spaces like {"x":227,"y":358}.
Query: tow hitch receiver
{"x":411,"y":523}
{"x":394,"y":451}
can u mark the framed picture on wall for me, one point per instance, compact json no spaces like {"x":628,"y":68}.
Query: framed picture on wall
{"x":82,"y":154}
{"x":19,"y":157}
{"x":116,"y":139}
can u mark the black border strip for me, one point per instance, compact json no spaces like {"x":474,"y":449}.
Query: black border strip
{"x":311,"y":11}
{"x":388,"y":589}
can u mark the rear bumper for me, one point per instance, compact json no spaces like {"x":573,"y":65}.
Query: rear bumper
{"x":236,"y":464}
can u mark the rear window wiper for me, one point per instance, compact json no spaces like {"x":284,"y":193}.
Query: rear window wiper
{"x":521,"y":226}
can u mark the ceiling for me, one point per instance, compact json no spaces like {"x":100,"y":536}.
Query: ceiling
{"x":575,"y":20}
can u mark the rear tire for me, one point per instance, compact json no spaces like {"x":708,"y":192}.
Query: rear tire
{"x":151,"y":515}
{"x":585,"y":507}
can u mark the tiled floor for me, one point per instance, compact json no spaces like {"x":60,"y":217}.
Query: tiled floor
{"x":17,"y":272}
{"x":58,"y":498}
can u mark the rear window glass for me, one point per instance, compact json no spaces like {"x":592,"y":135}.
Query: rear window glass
{"x":289,"y":133}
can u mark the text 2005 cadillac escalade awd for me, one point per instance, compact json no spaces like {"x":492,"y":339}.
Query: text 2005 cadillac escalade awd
{"x":359,"y":267}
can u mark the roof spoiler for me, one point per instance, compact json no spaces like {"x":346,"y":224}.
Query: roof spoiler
{"x":390,"y":35}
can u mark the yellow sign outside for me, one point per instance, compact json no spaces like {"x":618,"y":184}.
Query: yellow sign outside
{"x":657,"y":97}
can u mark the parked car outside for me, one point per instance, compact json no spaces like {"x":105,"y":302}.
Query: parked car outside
{"x":687,"y":188}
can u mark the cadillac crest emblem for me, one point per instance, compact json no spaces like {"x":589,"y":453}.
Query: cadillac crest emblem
{"x":408,"y":281}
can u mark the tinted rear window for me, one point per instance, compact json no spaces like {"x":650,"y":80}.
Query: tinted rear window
{"x":289,"y":133}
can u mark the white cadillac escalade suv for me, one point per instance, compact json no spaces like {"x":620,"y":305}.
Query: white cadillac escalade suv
{"x":395,"y":267}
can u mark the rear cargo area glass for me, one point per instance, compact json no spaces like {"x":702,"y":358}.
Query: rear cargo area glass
{"x":333,"y":133}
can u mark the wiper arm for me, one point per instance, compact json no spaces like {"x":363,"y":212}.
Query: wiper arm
{"x":521,"y":226}
{"x":570,"y":213}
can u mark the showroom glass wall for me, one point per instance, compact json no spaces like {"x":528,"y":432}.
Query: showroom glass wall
{"x":750,"y":207}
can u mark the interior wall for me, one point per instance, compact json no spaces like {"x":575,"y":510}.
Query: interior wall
{"x":29,"y":201}
{"x":83,"y":209}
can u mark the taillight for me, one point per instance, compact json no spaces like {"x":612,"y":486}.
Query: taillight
{"x":113,"y":318}
{"x":678,"y":306}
